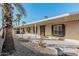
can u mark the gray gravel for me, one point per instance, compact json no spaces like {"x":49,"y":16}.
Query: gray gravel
{"x":21,"y":50}
{"x":24,"y":51}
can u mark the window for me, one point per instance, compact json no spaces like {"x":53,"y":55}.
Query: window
{"x":18,"y":31}
{"x":58,"y":30}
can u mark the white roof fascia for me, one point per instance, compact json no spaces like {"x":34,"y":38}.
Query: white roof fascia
{"x":51,"y":18}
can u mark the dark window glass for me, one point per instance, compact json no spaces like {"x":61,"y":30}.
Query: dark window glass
{"x":18,"y":31}
{"x":58,"y":30}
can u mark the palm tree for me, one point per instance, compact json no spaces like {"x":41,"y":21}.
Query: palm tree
{"x":3,"y":28}
{"x":18,"y":18}
{"x":8,"y":45}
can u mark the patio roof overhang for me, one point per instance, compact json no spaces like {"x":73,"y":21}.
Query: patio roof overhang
{"x":54,"y":20}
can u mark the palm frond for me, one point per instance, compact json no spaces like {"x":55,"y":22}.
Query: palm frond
{"x":18,"y":16}
{"x":20,"y":8}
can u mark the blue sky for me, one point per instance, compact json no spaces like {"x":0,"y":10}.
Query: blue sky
{"x":37,"y":11}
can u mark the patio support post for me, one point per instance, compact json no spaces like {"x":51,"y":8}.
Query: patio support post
{"x":20,"y":30}
{"x":35,"y":31}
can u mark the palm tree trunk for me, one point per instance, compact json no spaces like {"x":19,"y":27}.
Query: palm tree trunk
{"x":3,"y":33}
{"x":3,"y":29}
{"x":8,"y":45}
{"x":18,"y":22}
{"x":3,"y":21}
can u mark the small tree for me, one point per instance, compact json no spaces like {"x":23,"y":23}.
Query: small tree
{"x":18,"y":18}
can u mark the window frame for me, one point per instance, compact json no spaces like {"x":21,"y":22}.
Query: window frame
{"x":55,"y":28}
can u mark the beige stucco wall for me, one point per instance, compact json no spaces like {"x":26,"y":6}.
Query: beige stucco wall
{"x":48,"y":31}
{"x":71,"y":30}
{"x":38,"y":31}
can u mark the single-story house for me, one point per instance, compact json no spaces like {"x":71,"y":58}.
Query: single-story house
{"x":65,"y":26}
